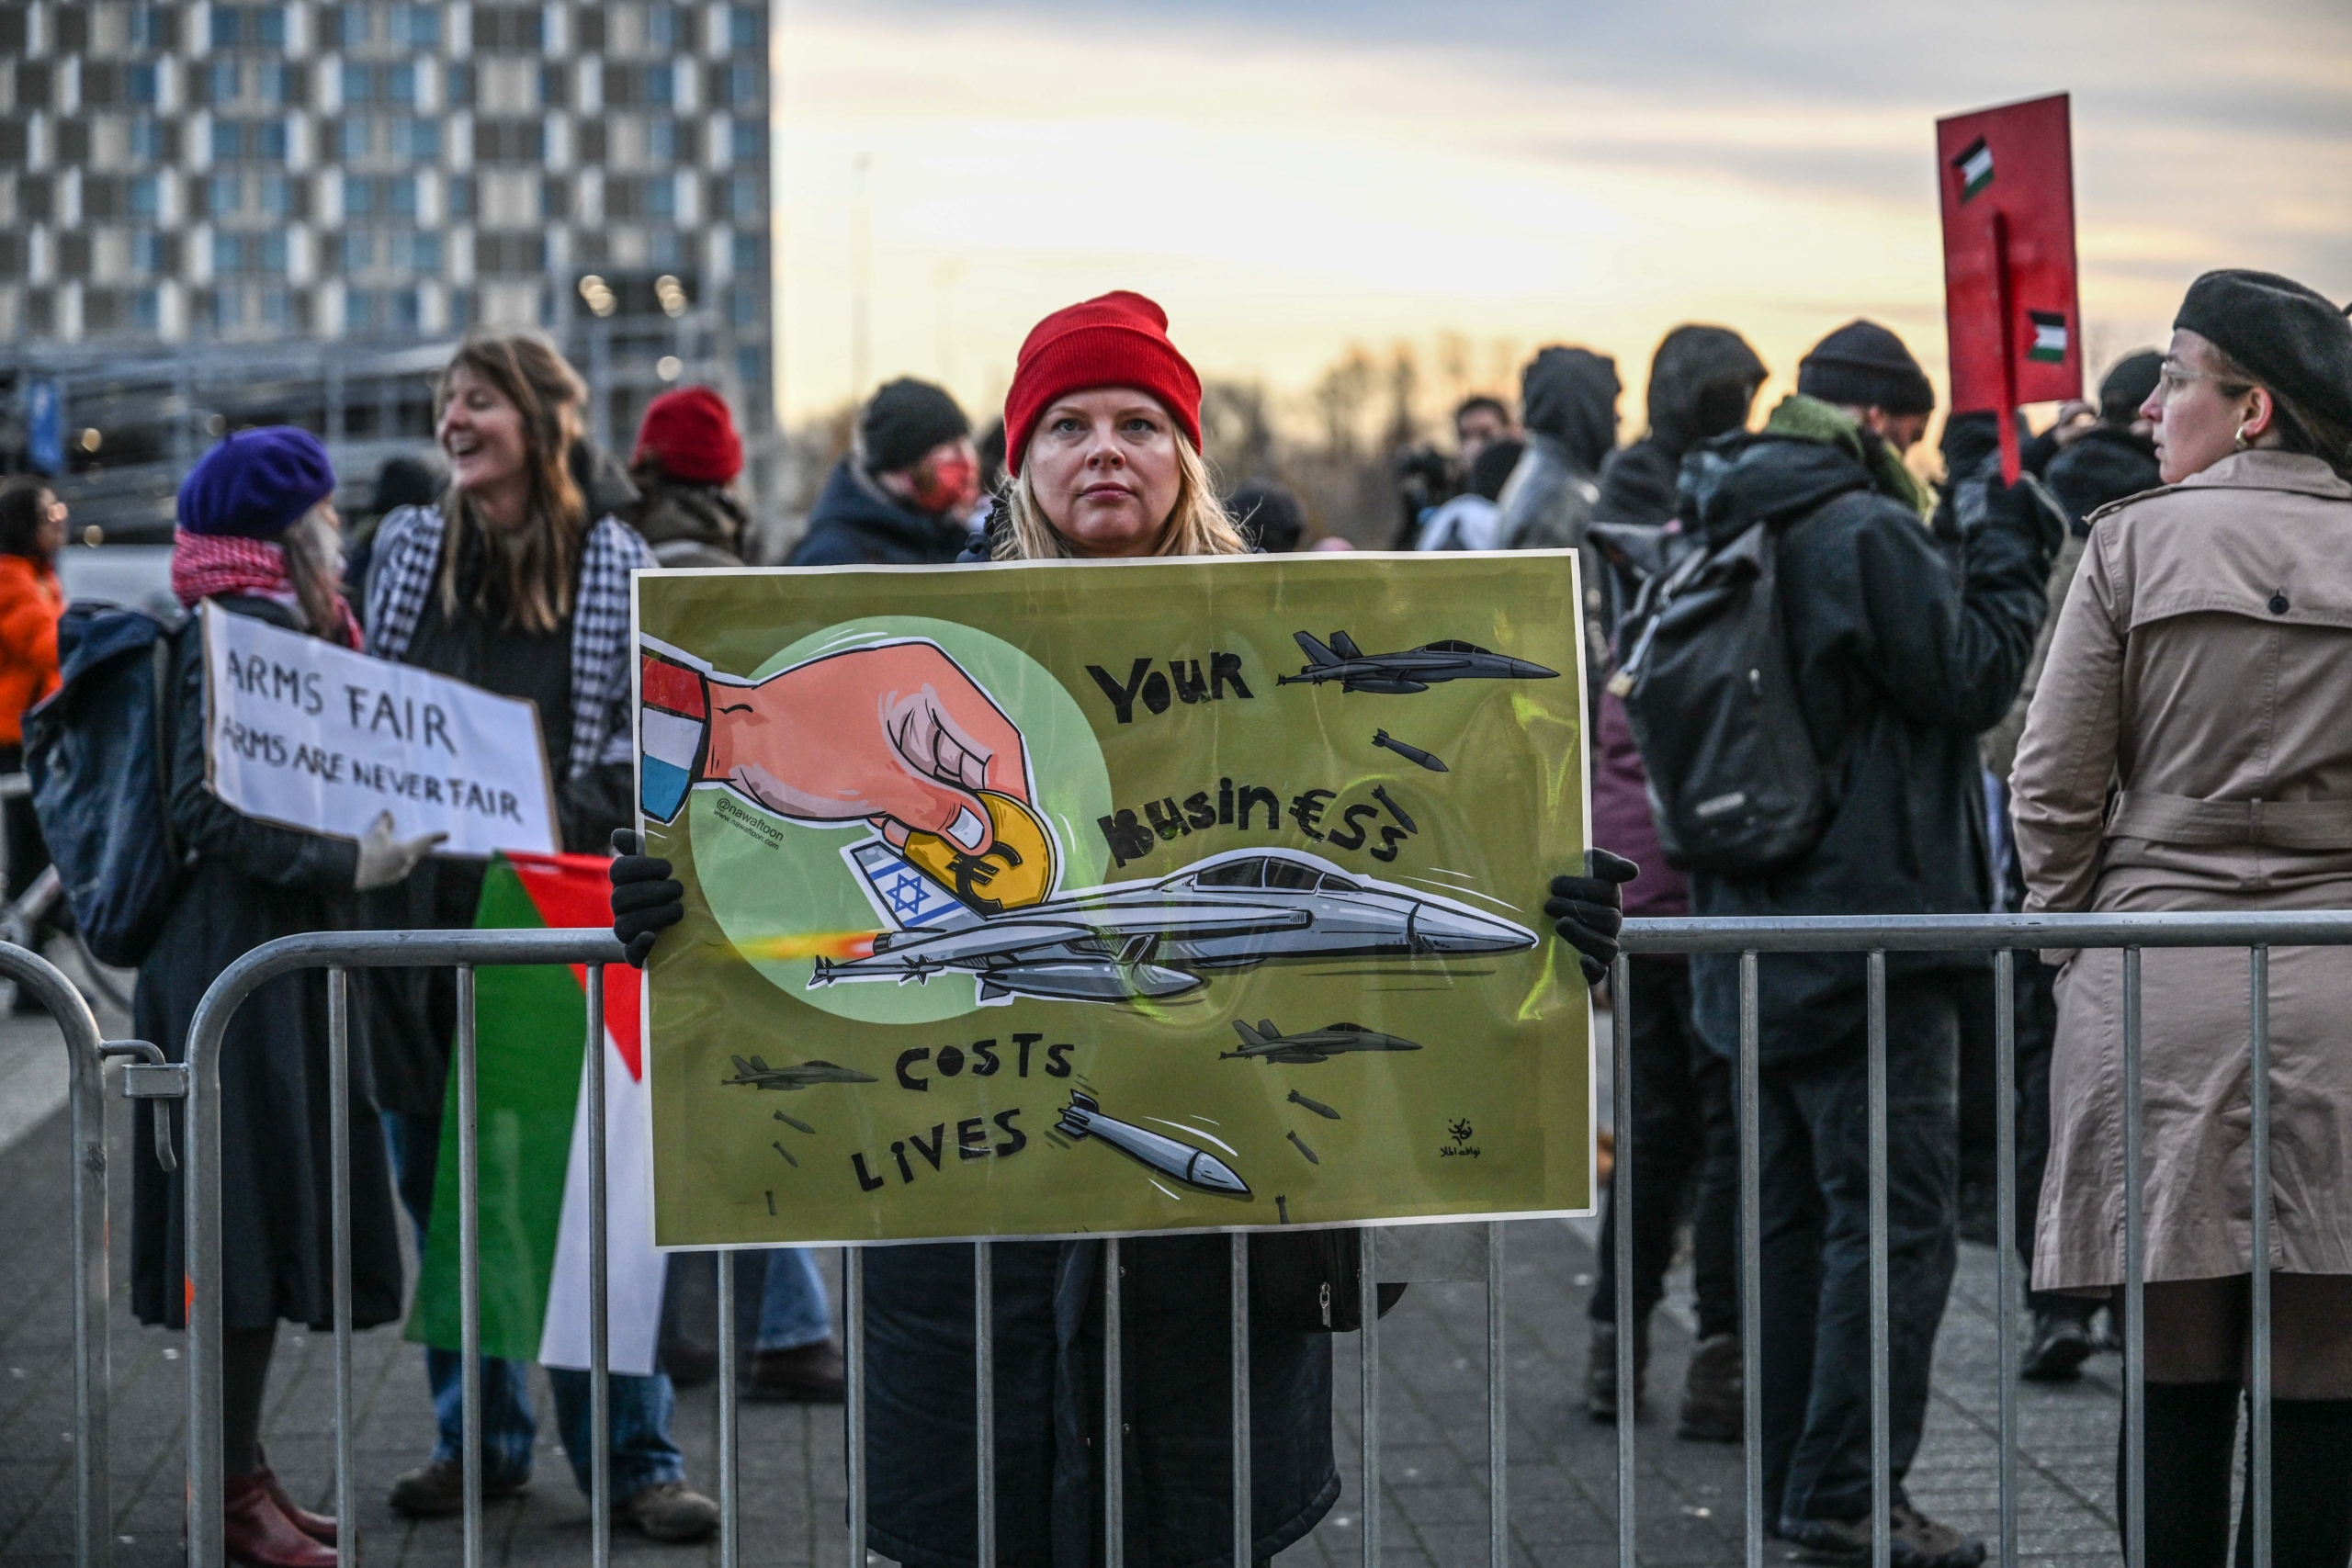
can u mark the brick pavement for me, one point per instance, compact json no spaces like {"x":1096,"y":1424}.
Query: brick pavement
{"x":1561,"y":1475}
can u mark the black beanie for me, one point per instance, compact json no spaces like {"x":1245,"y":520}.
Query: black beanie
{"x":1269,"y":517}
{"x":2129,"y":382}
{"x":904,"y":420}
{"x":1862,"y":364}
{"x":2294,"y":340}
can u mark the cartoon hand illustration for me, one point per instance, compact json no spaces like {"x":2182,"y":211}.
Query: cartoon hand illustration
{"x":896,"y":734}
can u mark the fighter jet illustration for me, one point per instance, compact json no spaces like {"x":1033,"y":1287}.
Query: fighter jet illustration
{"x":1415,"y":670}
{"x":1133,"y":939}
{"x":1197,"y":1167}
{"x":759,"y":1074}
{"x":1266,"y":1044}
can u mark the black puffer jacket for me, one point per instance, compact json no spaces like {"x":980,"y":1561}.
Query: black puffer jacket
{"x":857,"y":522}
{"x":2104,"y":463}
{"x":1701,"y":381}
{"x":1900,"y":659}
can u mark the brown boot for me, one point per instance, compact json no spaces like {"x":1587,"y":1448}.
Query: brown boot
{"x":808,"y":1374}
{"x":318,"y":1526}
{"x":258,"y":1535}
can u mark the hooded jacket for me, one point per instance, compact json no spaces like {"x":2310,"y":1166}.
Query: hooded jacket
{"x":1638,"y":484}
{"x":688,"y":524}
{"x":857,"y":522}
{"x":1570,"y":413}
{"x":1900,"y":660}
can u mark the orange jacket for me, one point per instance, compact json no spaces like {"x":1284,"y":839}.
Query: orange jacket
{"x":30,"y":603}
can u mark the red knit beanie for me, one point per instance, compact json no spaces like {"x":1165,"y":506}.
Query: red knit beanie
{"x":1117,"y":340}
{"x":689,"y":434}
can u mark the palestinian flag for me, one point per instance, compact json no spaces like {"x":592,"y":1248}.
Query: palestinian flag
{"x":2049,"y":344}
{"x":1975,"y":166}
{"x":531,"y":1093}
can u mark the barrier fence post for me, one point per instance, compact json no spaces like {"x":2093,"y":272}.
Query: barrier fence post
{"x":469,"y":1265}
{"x":2257,"y":1501}
{"x":1240,"y":1278}
{"x":854,"y":1397}
{"x":600,"y":1350}
{"x":1751,"y":1270}
{"x":2134,"y":1501}
{"x":984,"y":1404}
{"x":1620,"y":1198}
{"x":1881,"y":1459}
{"x":1115,"y":1448}
{"x":2004,"y":1186}
{"x":731,"y":1504}
{"x":1368,"y":1387}
{"x":347,"y":1491}
{"x":1498,"y":1409}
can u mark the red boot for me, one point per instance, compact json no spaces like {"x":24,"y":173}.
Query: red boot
{"x":259,"y":1536}
{"x":318,"y":1526}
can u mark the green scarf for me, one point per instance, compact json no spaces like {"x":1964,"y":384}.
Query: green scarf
{"x":1809,"y":419}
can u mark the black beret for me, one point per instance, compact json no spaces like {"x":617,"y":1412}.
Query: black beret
{"x":2294,"y":340}
{"x":1862,"y":365}
{"x":906,"y":419}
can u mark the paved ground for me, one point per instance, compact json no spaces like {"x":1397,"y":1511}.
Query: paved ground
{"x":1562,"y":1480}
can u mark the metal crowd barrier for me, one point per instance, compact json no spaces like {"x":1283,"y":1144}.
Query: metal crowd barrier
{"x":1875,"y":937}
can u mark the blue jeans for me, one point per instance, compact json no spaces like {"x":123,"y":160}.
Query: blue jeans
{"x":1814,"y":1146}
{"x":793,"y":1309}
{"x":643,"y":1454}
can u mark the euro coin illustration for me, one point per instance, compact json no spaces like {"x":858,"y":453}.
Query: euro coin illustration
{"x":1018,"y":870}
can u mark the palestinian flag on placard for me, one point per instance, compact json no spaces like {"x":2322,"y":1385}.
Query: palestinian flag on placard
{"x":531,"y":1095}
{"x":1975,"y":166}
{"x":2049,"y":344}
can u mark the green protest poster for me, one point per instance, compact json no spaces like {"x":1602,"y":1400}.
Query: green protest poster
{"x":1061,"y":899}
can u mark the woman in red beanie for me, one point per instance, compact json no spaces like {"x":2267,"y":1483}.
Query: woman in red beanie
{"x":687,"y":453}
{"x":1103,"y":429}
{"x":1102,"y":442}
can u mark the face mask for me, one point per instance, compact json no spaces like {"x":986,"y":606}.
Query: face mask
{"x":947,"y":484}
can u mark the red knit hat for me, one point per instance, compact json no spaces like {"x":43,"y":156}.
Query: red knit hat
{"x":689,"y":434}
{"x":1117,"y":340}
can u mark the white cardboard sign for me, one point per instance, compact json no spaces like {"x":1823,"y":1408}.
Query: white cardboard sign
{"x":311,"y":735}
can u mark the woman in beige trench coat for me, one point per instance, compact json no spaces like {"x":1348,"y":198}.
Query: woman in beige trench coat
{"x":2190,"y":748}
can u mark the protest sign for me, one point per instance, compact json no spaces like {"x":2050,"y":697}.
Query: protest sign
{"x":302,"y":732}
{"x":1257,"y":940}
{"x":2010,"y":310}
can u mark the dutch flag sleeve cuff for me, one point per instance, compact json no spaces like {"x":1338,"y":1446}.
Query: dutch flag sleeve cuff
{"x":673,"y":733}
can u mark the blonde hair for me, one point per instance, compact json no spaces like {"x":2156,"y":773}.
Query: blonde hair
{"x":1195,"y":525}
{"x":532,"y":566}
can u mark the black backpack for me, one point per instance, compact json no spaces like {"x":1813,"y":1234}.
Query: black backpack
{"x":97,"y":751}
{"x":1736,"y":786}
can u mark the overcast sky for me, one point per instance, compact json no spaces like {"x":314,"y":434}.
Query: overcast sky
{"x":1289,"y":177}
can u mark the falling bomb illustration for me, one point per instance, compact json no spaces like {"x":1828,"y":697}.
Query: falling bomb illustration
{"x":1388,"y":742}
{"x":1195,"y":1167}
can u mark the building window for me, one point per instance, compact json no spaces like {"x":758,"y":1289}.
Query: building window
{"x":228,"y":254}
{"x":271,"y":251}
{"x":144,"y":196}
{"x":746,"y":196}
{"x":220,"y":82}
{"x":417,"y":138}
{"x":748,"y":368}
{"x":255,"y":27}
{"x":746,"y":82}
{"x":147,"y":251}
{"x":359,"y":249}
{"x":277,"y":307}
{"x":414,"y":251}
{"x":421,"y":29}
{"x":146,"y":310}
{"x":380,"y":84}
{"x":747,"y":140}
{"x":261,"y":138}
{"x":661,"y":198}
{"x":460,"y":193}
{"x":145,"y":25}
{"x":747,"y":253}
{"x":662,"y":141}
{"x":269,"y":81}
{"x":146,"y":136}
{"x":664,"y":248}
{"x":139,"y":82}
{"x":223,"y":194}
{"x":747,"y":26}
{"x":273,"y":191}
{"x":746,"y":306}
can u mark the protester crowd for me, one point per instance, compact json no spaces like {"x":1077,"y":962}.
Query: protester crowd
{"x":2110,"y":684}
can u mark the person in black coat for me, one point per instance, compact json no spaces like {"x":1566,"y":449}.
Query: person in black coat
{"x":906,"y":496}
{"x":257,"y":538}
{"x":1901,"y":658}
{"x":1702,"y":382}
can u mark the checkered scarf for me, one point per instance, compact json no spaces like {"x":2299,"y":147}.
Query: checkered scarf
{"x":204,"y":565}
{"x":400,"y":578}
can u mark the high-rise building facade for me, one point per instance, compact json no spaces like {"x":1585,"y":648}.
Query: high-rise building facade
{"x":199,"y":174}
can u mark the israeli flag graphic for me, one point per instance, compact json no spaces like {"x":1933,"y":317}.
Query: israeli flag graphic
{"x":904,"y":898}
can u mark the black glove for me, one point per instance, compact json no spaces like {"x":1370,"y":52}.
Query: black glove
{"x":646,"y":900}
{"x":1588,"y":911}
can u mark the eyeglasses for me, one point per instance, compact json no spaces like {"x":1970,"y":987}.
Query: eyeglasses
{"x":2173,"y":377}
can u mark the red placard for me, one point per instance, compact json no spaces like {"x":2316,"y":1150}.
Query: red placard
{"x":2006,"y":176}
